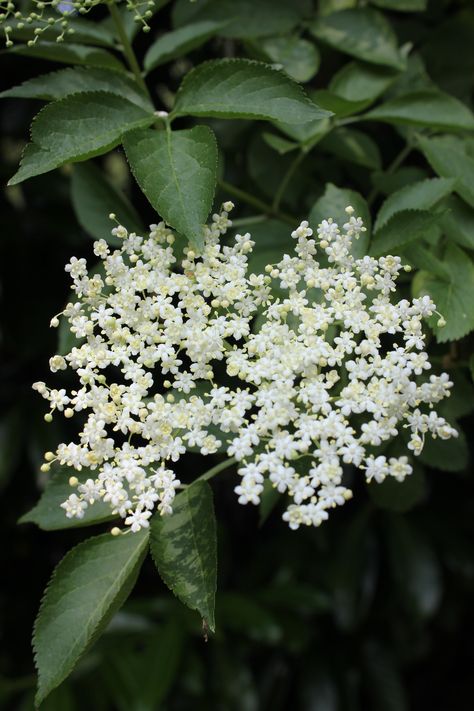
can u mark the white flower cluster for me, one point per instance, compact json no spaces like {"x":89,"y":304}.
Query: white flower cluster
{"x":317,"y":367}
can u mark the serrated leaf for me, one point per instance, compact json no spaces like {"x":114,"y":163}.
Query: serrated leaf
{"x":354,"y":146}
{"x":333,"y":204}
{"x":427,"y":109}
{"x":357,"y":81}
{"x":244,"y":18}
{"x":86,"y":589}
{"x":183,"y":546}
{"x":177,"y":172}
{"x":243,"y":88}
{"x":48,"y":514}
{"x":94,"y":198}
{"x":77,"y":128}
{"x":448,"y":157}
{"x":458,"y":222}
{"x":64,"y":82}
{"x":453,"y":296}
{"x":422,"y":195}
{"x":363,"y":33}
{"x":179,"y":42}
{"x":404,"y":227}
{"x":299,"y":58}
{"x":70,"y":54}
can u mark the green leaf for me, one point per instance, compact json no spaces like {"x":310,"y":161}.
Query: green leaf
{"x":453,"y":296}
{"x":363,"y":33}
{"x":77,"y":128}
{"x":244,"y":18}
{"x":88,"y":586}
{"x":422,"y":195}
{"x":333,"y":204}
{"x":388,"y":183}
{"x":458,"y":222}
{"x":307,"y":134}
{"x":447,"y":156}
{"x":423,"y":257}
{"x":451,"y":455}
{"x":179,"y":42}
{"x":70,"y":54}
{"x":64,"y":82}
{"x":357,"y":81}
{"x":339,"y":106}
{"x":183,"y":546}
{"x":48,"y":514}
{"x":177,"y":172}
{"x":242,"y":88}
{"x":353,"y":146}
{"x":94,"y":198}
{"x":278,"y":143}
{"x":402,"y":5}
{"x":427,"y":109}
{"x":299,"y":58}
{"x":404,"y":227}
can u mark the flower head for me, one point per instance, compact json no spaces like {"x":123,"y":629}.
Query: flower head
{"x":332,"y":369}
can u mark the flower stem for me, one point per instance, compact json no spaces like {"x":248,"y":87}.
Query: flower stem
{"x":217,"y":469}
{"x":126,"y":46}
{"x":256,"y":202}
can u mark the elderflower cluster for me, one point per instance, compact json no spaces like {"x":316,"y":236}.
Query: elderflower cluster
{"x":17,"y":21}
{"x":297,"y":372}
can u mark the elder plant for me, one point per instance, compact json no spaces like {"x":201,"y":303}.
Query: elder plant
{"x":300,"y":371}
